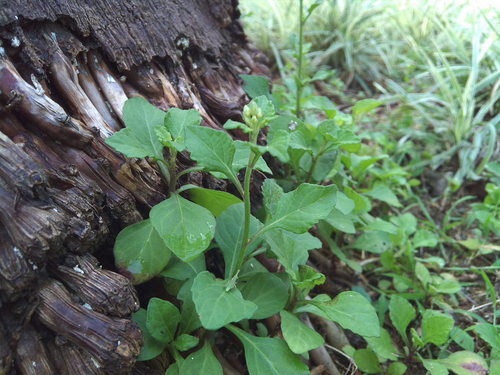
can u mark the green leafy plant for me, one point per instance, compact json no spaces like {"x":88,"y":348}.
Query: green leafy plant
{"x":171,"y":242}
{"x":435,"y":328}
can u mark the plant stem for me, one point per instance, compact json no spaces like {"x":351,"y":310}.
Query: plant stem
{"x":189,"y":170}
{"x":248,"y":214}
{"x":166,"y":172}
{"x":315,"y":162}
{"x":173,"y":176}
{"x":311,"y":171}
{"x":301,"y":45}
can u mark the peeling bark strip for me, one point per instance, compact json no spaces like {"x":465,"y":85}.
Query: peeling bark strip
{"x":104,"y":291}
{"x":66,"y":69}
{"x":114,"y":343}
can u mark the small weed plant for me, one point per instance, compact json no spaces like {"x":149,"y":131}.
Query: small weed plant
{"x":171,"y":243}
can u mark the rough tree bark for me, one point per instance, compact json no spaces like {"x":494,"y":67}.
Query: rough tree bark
{"x":66,"y":69}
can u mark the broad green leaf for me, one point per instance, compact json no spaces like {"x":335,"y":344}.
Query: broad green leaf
{"x":436,"y":327}
{"x":344,"y":204}
{"x":173,"y":369}
{"x":290,"y":124}
{"x":139,"y":139}
{"x":176,"y":122}
{"x":278,"y":146}
{"x":383,"y":226}
{"x":272,"y":193}
{"x":179,"y":270}
{"x":216,"y":306}
{"x":373,"y":242}
{"x":229,"y":235}
{"x":307,"y":240}
{"x":140,"y":252}
{"x":299,"y":337}
{"x":382,"y":345}
{"x":189,"y":317}
{"x":351,"y":310}
{"x":324,"y":165}
{"x":489,"y":334}
{"x":422,"y":274}
{"x":152,"y":347}
{"x":299,"y":142}
{"x":495,"y":366}
{"x":186,"y":228}
{"x":300,"y":209}
{"x":361,"y":204}
{"x":406,"y":221}
{"x":331,"y":132}
{"x":163,"y":318}
{"x":241,"y":158}
{"x":434,"y":367}
{"x":212,"y":149}
{"x":462,"y":338}
{"x":322,"y":102}
{"x":255,"y":85}
{"x":268,"y":292}
{"x":401,"y":313}
{"x":447,"y":287}
{"x":126,"y":142}
{"x":289,"y":252}
{"x":466,"y":363}
{"x":200,"y":362}
{"x":367,"y":361}
{"x":424,"y":238}
{"x":213,"y":200}
{"x":397,"y":368}
{"x":340,"y":222}
{"x":269,"y":356}
{"x":363,"y":107}
{"x":384,"y":194}
{"x":185,"y":342}
{"x":251,"y":267}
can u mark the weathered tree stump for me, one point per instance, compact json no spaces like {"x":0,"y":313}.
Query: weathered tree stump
{"x":66,"y":69}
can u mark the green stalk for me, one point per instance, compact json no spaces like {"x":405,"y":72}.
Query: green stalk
{"x":173,"y":176}
{"x":166,"y":172}
{"x":301,"y":44}
{"x":315,"y":162}
{"x":246,"y":233}
{"x":252,"y":160}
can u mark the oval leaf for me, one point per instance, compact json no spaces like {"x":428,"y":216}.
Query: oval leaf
{"x":186,"y":228}
{"x":163,"y":318}
{"x":300,"y":209}
{"x":299,"y":337}
{"x":216,"y":306}
{"x":269,"y":356}
{"x":213,"y":200}
{"x":268,"y":292}
{"x":201,"y":362}
{"x":350,"y":309}
{"x":152,"y":347}
{"x":212,"y":149}
{"x":140,"y":253}
{"x":139,"y":139}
